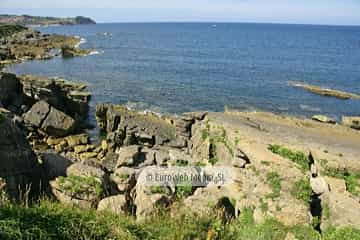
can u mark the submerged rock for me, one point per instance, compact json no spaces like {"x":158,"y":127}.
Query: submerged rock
{"x":324,"y":119}
{"x":325,"y":91}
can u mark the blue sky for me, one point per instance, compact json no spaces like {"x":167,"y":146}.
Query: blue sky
{"x":338,"y":12}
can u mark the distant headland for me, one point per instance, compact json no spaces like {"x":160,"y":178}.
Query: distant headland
{"x":27,"y":20}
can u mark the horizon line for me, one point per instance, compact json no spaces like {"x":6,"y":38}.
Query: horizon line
{"x":222,"y":22}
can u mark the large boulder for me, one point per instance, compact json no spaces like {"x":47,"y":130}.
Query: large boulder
{"x":115,"y":204}
{"x":85,"y":185}
{"x":124,"y":179}
{"x":148,"y":203}
{"x":50,"y":120}
{"x":81,"y":169}
{"x":319,"y":185}
{"x":55,"y":165}
{"x":37,"y":114}
{"x":58,"y":123}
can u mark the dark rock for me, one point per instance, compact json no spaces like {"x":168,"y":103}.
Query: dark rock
{"x":54,"y":164}
{"x":10,"y":88}
{"x":5,"y":53}
{"x":18,"y":163}
{"x":58,"y":124}
{"x":16,"y":156}
{"x":37,"y":114}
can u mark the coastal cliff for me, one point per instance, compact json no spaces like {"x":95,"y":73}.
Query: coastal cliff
{"x":283,"y":177}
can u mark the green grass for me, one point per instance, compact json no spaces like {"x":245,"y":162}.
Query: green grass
{"x":274,"y":181}
{"x":300,"y":158}
{"x":2,"y":117}
{"x":352,"y":179}
{"x":264,"y":206}
{"x":204,"y":134}
{"x":184,"y":190}
{"x":123,"y":176}
{"x":325,"y":211}
{"x":48,"y":220}
{"x":244,"y":228}
{"x":159,"y":189}
{"x":301,"y":190}
{"x":75,"y":185}
{"x":236,"y":141}
{"x":266,"y":163}
{"x":352,"y":183}
{"x":346,"y":233}
{"x":181,"y":163}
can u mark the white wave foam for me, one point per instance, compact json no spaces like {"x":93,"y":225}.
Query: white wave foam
{"x":144,"y":108}
{"x":95,"y":52}
{"x":82,"y":41}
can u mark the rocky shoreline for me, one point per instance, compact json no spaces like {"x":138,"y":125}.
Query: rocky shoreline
{"x":298,"y":171}
{"x":18,"y":44}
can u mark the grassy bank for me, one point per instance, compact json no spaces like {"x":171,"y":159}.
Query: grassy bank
{"x":49,"y":220}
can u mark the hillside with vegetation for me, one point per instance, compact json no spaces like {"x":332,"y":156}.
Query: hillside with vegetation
{"x":27,"y":20}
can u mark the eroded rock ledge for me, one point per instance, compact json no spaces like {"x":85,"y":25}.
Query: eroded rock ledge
{"x":298,"y":171}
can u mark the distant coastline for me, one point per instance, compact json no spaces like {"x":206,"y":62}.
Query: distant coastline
{"x":27,"y":20}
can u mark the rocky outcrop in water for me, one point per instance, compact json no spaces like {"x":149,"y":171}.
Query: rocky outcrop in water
{"x":20,"y":44}
{"x":68,"y":52}
{"x":325,"y":91}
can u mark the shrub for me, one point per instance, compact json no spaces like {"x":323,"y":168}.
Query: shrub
{"x":184,"y":190}
{"x":80,"y":185}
